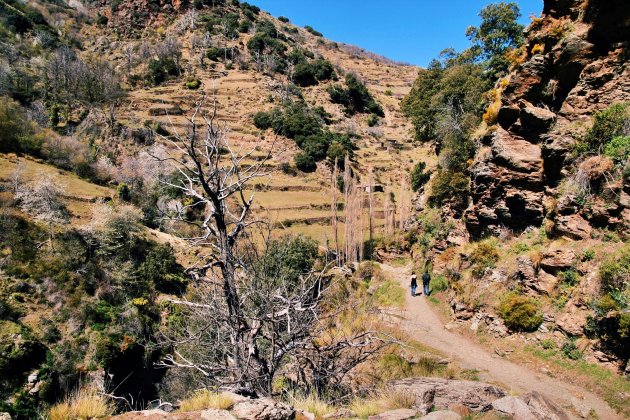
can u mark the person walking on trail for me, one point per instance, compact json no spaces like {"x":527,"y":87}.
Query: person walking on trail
{"x":426,"y":279}
{"x":414,"y":283}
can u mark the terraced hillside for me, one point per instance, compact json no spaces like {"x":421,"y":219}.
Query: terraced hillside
{"x":299,"y":202}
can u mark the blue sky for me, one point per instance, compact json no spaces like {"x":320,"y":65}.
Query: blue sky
{"x":413,"y":31}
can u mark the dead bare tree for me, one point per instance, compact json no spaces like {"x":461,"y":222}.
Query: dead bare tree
{"x":249,"y":318}
{"x":42,"y":199}
{"x":371,"y":208}
{"x":335,"y":208}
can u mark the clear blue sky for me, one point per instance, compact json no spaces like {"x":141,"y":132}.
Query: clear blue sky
{"x":413,"y":31}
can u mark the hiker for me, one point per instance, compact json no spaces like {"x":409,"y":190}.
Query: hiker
{"x":414,"y":283}
{"x":426,"y":279}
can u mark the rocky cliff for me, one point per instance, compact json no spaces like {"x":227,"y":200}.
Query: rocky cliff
{"x":575,"y":63}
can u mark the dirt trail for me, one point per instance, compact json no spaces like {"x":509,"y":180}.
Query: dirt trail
{"x":424,"y":325}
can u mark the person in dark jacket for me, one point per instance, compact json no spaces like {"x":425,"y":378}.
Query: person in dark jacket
{"x":414,"y":283}
{"x":426,"y":279}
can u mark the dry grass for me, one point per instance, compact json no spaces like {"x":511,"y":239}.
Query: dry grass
{"x":388,"y":400}
{"x":312,"y":404}
{"x":364,"y":408}
{"x":73,"y":185}
{"x":83,"y":404}
{"x":494,"y":97}
{"x":205,"y":399}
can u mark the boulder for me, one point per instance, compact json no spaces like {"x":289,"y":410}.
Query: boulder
{"x":572,"y":321}
{"x":214,"y":414}
{"x":441,"y":393}
{"x":157,"y":414}
{"x":573,"y":226}
{"x":525,"y":271}
{"x":508,"y":115}
{"x":516,"y":153}
{"x":5,"y":416}
{"x":400,"y":414}
{"x":262,"y":409}
{"x":442,"y":415}
{"x":545,"y":283}
{"x":558,"y":260}
{"x":305,"y":415}
{"x":514,"y":407}
{"x":535,"y":120}
{"x":543,"y":408}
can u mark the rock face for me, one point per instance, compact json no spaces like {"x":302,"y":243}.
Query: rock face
{"x":514,"y":407}
{"x":262,"y":409}
{"x":531,"y":406}
{"x":582,"y":69}
{"x":442,"y":393}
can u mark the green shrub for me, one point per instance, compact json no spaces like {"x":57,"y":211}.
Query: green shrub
{"x":452,"y":187}
{"x":310,"y":73}
{"x":324,"y":70}
{"x":372,"y":120}
{"x":606,"y":304}
{"x":607,"y":124}
{"x":123,"y":192}
{"x":304,"y":75}
{"x":439,"y":283}
{"x":162,"y":69}
{"x":484,"y":256}
{"x":245,"y":26}
{"x":267,"y":39}
{"x":213,"y":53}
{"x":263,"y":120}
{"x":520,"y":248}
{"x":355,"y":97}
{"x":570,"y":350}
{"x":296,"y":119}
{"x":17,"y":134}
{"x":588,"y":255}
{"x":615,"y":271}
{"x":569,"y":277}
{"x":287,"y":169}
{"x":618,"y":149}
{"x":287,"y":258}
{"x":305,"y":163}
{"x":418,"y":176}
{"x":101,"y":20}
{"x":162,"y":269}
{"x":193,"y":84}
{"x":312,"y":31}
{"x":283,"y":19}
{"x":520,"y":313}
{"x":548,"y":344}
{"x":250,"y":8}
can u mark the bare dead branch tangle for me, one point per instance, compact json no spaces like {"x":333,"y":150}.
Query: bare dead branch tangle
{"x":248,"y":320}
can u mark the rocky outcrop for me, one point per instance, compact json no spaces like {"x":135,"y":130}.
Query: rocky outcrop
{"x":449,"y":398}
{"x":546,"y":104}
{"x":262,"y":409}
{"x":244,"y":408}
{"x":400,"y":414}
{"x":531,"y":406}
{"x":441,"y":393}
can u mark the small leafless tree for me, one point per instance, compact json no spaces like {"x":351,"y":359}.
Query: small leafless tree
{"x":70,"y":80}
{"x":334,"y":192}
{"x":249,"y":320}
{"x":42,"y":199}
